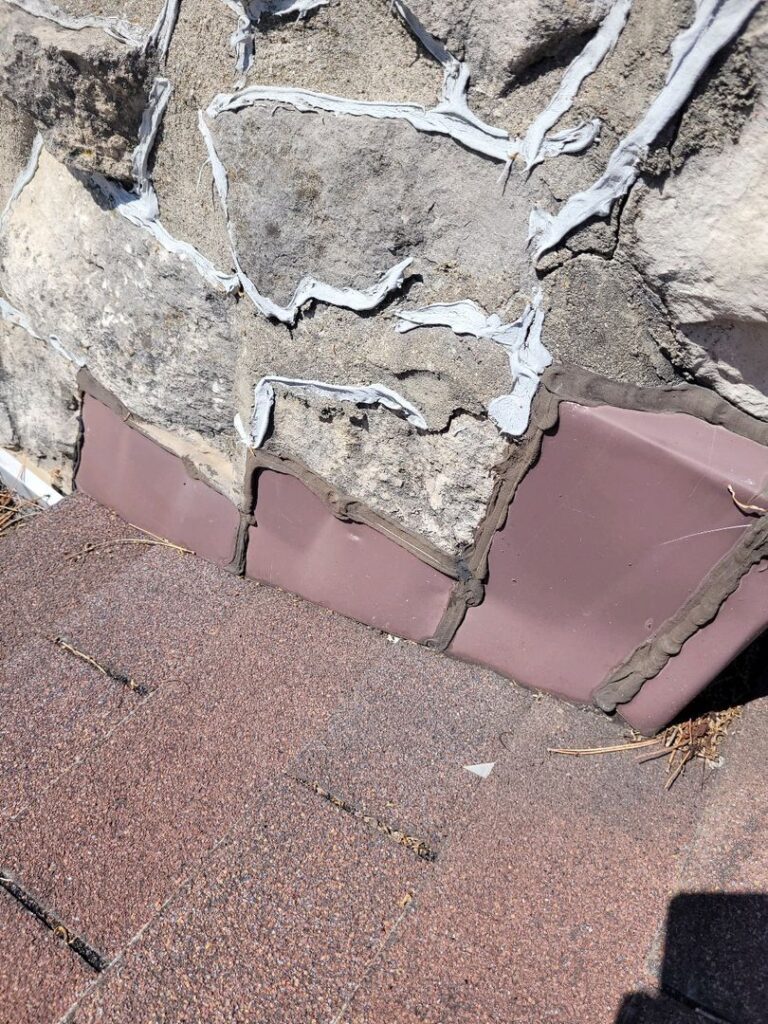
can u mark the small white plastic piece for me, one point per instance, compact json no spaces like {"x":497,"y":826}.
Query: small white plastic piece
{"x":481,"y":770}
{"x":24,"y":481}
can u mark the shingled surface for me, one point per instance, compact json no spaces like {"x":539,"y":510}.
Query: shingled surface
{"x":261,"y":812}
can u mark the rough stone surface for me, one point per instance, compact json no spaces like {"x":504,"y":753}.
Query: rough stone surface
{"x":436,"y":485}
{"x":601,"y":317}
{"x":698,"y":235}
{"x":17,"y":131}
{"x":345,"y":198}
{"x":108,"y":291}
{"x":503,"y":40}
{"x":39,"y":405}
{"x":664,"y":288}
{"x":85,"y":90}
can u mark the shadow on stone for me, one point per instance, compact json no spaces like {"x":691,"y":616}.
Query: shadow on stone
{"x":714,"y":963}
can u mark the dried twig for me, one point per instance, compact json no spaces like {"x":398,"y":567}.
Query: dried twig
{"x":117,"y":677}
{"x":698,"y":738}
{"x":14,"y":509}
{"x":584,"y":751}
{"x":90,"y":548}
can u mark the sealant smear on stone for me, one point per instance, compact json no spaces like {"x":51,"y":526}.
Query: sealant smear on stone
{"x":26,"y":175}
{"x":140,"y":206}
{"x":159,"y":95}
{"x":249,"y":14}
{"x":9,"y":312}
{"x":684,"y":41}
{"x":456,"y":74}
{"x":308,"y":288}
{"x":488,"y":141}
{"x":161,"y":33}
{"x":716,"y":23}
{"x":360,"y":394}
{"x":118,"y":28}
{"x":450,"y":117}
{"x":535,"y":146}
{"x":528,"y":357}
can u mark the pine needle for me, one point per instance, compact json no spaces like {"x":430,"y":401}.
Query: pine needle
{"x":90,"y":548}
{"x":584,"y":751}
{"x":14,"y":509}
{"x":697,"y":738}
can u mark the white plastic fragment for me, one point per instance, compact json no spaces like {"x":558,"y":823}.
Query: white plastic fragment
{"x":24,"y":481}
{"x":533,"y":148}
{"x":716,"y":23}
{"x":308,"y":288}
{"x":117,"y":28}
{"x":240,"y":430}
{"x":528,"y":357}
{"x":161,"y":33}
{"x":481,"y":770}
{"x":360,"y":394}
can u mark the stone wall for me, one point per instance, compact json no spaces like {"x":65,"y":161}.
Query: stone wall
{"x":347,"y":237}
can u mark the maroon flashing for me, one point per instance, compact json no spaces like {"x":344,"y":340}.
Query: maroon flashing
{"x":299,"y":545}
{"x":151,"y":488}
{"x":608,"y":536}
{"x":740,"y":620}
